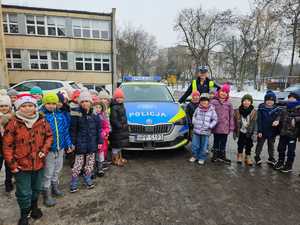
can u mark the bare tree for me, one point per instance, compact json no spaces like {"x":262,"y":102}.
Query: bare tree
{"x":203,"y":31}
{"x":136,"y":51}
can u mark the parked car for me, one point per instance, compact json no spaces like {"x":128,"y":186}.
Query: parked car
{"x":45,"y":85}
{"x":156,"y":121}
{"x":282,"y":95}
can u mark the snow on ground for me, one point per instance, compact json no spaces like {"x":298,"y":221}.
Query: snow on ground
{"x":257,"y":95}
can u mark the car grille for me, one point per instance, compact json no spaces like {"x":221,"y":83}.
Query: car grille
{"x":154,"y":129}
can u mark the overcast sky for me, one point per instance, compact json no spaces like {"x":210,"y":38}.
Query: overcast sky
{"x":155,"y":16}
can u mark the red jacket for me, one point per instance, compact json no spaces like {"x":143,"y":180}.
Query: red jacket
{"x":21,"y":145}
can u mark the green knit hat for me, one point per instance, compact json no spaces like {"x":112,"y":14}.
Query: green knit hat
{"x":247,"y":97}
{"x":50,"y":97}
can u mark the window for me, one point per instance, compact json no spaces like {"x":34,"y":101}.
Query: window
{"x":56,"y":26}
{"x":39,"y":60}
{"x":13,"y":57}
{"x":10,"y":23}
{"x":59,"y":60}
{"x":94,"y":62}
{"x":25,"y":86}
{"x":36,"y":25}
{"x":91,"y":29}
{"x":48,"y":85}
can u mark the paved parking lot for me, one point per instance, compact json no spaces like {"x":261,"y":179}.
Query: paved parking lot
{"x":163,"y":188}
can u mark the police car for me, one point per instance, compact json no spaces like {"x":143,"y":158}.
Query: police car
{"x":156,"y":121}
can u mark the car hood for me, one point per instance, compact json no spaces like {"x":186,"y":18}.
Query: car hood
{"x":151,"y":113}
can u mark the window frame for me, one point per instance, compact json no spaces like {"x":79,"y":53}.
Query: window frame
{"x":8,"y":23}
{"x":93,"y":26}
{"x":12,"y":61}
{"x":93,"y":56}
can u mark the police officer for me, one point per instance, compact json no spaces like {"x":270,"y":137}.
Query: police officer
{"x":202,"y":84}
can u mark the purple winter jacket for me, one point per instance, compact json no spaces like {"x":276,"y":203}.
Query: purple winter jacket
{"x":225,"y":114}
{"x":204,"y":120}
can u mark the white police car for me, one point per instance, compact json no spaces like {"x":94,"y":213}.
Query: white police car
{"x":156,"y":121}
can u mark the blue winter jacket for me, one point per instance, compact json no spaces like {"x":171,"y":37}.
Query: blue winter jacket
{"x":265,"y":118}
{"x":85,"y":131}
{"x":60,"y":129}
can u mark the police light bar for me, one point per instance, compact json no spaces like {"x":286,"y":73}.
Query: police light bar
{"x":142,"y":78}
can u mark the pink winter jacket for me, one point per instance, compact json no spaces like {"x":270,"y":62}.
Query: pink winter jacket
{"x":225,"y":114}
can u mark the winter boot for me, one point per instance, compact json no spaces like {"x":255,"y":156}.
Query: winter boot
{"x":116,"y":160}
{"x":215,"y":156}
{"x":36,"y":213}
{"x":56,"y":191}
{"x":74,"y":185}
{"x":24,"y":217}
{"x":100,"y":171}
{"x":248,"y":160}
{"x":223,"y":158}
{"x":279,"y":165}
{"x":49,"y":201}
{"x":88,"y":182}
{"x":288,"y":167}
{"x":124,"y":161}
{"x":239,"y":158}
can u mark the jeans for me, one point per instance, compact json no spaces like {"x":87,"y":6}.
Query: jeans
{"x":53,"y":167}
{"x":260,"y":144}
{"x":288,"y":143}
{"x":28,"y":187}
{"x":199,"y":146}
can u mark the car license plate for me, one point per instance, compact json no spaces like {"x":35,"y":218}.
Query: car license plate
{"x":150,"y":137}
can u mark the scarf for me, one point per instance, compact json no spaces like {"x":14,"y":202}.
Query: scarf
{"x":246,"y":112}
{"x":28,"y":120}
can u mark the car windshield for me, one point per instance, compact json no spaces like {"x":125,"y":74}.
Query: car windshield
{"x":74,"y":85}
{"x":293,"y":88}
{"x":146,"y":93}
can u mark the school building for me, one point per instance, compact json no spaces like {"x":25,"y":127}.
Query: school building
{"x":42,"y":43}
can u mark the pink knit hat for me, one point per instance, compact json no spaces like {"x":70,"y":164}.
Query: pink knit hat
{"x":225,"y":88}
{"x":195,"y":93}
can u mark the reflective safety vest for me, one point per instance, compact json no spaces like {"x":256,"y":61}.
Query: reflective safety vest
{"x":194,"y":85}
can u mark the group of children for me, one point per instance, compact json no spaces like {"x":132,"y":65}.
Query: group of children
{"x":216,"y":115}
{"x":38,"y":129}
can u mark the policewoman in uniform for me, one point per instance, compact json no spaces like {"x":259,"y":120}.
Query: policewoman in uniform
{"x":202,"y":84}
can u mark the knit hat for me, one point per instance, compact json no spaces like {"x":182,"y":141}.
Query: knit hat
{"x":75,"y":95}
{"x":93,"y":92}
{"x":96,"y":100}
{"x":204,"y":97}
{"x":270,"y":95}
{"x":3,"y":92}
{"x":12,"y":92}
{"x":119,"y":93}
{"x":195,"y":93}
{"x":25,"y":98}
{"x":85,"y":96}
{"x":5,"y":100}
{"x":247,"y":97}
{"x":104,"y":95}
{"x":36,"y":91}
{"x":50,"y":97}
{"x":295,"y":95}
{"x":225,"y":88}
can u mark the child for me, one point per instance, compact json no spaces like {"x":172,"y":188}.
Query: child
{"x":26,"y":142}
{"x":6,"y":111}
{"x":204,"y":120}
{"x":191,"y":107}
{"x":104,"y":98}
{"x":85,"y":131}
{"x":289,"y":124}
{"x":61,"y":142}
{"x":74,"y":99}
{"x":100,"y":110}
{"x":119,"y":137}
{"x":37,"y":93}
{"x":12,"y":93}
{"x":225,"y":125}
{"x":266,"y":127}
{"x":245,"y":128}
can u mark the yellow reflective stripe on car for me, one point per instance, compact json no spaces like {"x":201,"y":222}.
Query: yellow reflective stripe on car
{"x":182,"y":143}
{"x":181,"y":114}
{"x":194,"y":85}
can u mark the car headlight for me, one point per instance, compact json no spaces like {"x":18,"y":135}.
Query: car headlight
{"x":182,"y":121}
